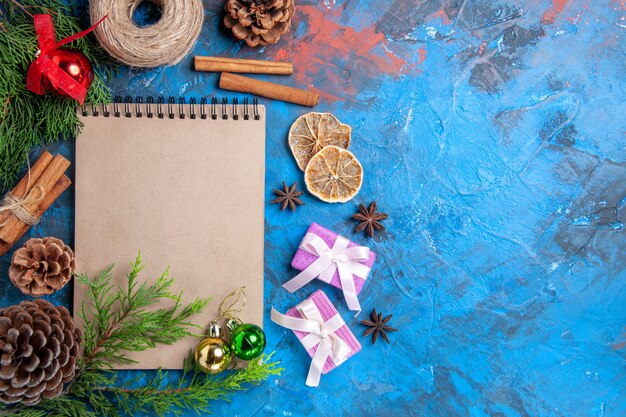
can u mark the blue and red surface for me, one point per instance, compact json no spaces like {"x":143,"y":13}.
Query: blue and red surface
{"x":493,"y":133}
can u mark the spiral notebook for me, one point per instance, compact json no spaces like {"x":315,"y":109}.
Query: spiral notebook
{"x":184,"y":183}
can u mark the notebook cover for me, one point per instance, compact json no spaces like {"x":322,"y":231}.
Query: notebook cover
{"x":188,"y":193}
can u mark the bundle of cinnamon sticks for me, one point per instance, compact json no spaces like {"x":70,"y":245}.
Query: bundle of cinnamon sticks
{"x":37,"y":190}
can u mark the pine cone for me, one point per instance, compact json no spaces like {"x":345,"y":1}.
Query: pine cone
{"x":38,"y":346}
{"x":42,"y":266}
{"x":259,"y":22}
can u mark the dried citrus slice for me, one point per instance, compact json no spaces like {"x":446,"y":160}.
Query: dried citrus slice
{"x":334,"y":175}
{"x":313,"y":131}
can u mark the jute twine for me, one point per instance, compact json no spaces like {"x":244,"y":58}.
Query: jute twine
{"x":164,"y":43}
{"x":17,"y":205}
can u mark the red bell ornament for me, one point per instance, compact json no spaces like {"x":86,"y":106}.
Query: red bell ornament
{"x":75,"y":64}
{"x":66,"y":72}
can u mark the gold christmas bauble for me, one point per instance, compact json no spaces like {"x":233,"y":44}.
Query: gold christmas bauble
{"x":213,"y":355}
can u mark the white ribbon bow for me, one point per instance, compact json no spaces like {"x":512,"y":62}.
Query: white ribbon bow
{"x":320,"y":334}
{"x":338,"y":258}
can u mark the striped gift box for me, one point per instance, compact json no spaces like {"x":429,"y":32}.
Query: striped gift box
{"x":327,"y":310}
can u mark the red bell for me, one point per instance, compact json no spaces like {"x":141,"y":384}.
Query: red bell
{"x":75,"y":64}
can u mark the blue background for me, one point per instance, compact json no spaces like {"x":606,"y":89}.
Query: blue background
{"x":492,"y":132}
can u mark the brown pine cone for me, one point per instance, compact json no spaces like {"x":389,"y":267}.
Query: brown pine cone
{"x":39,"y":345}
{"x":259,"y":22}
{"x":42,"y":266}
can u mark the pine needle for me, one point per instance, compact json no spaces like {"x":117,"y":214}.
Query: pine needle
{"x":28,"y":120}
{"x":193,"y":391}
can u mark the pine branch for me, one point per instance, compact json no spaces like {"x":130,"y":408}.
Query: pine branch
{"x":193,"y":391}
{"x":28,"y":120}
{"x":17,"y":4}
{"x":56,"y":407}
{"x":118,"y":321}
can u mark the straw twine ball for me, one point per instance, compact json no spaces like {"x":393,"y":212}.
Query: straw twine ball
{"x":164,"y":43}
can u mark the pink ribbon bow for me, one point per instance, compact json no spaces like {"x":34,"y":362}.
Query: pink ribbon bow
{"x":347,"y":261}
{"x":320,"y":333}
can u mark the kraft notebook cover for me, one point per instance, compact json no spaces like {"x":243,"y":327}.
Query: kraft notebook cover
{"x":187,"y":189}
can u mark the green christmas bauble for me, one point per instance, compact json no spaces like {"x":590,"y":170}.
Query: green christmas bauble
{"x":247,"y":341}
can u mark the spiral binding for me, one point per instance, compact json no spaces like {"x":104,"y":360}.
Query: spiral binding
{"x":172,"y":109}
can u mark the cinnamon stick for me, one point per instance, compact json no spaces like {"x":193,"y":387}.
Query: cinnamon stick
{"x":50,"y":197}
{"x":251,"y":66}
{"x":266,"y":89}
{"x":44,"y":204}
{"x":26,"y":184}
{"x":10,"y":231}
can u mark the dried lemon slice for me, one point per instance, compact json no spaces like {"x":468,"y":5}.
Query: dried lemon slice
{"x":334,"y":175}
{"x":313,"y":131}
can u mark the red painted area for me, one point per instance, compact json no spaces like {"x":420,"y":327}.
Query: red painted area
{"x":550,"y":14}
{"x":620,"y":345}
{"x":422,"y":53}
{"x":481,"y":48}
{"x":445,"y":19}
{"x":337,"y":59}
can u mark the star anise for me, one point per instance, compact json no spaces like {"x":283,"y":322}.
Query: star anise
{"x":378,"y":326}
{"x":370,"y":219}
{"x":288,"y":197}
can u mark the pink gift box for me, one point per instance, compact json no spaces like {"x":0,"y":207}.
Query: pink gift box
{"x":328,"y":310}
{"x":302,"y":259}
